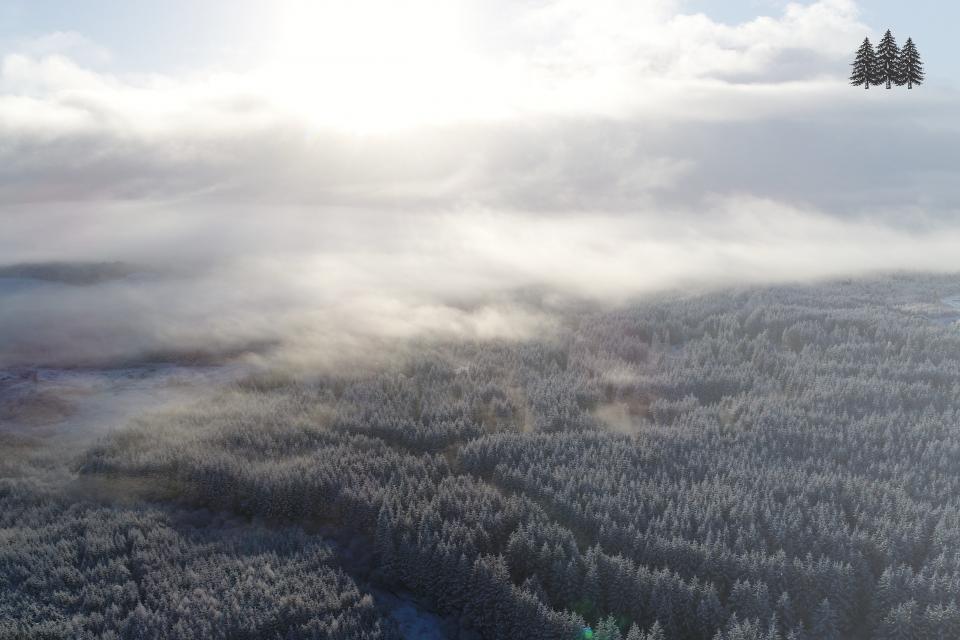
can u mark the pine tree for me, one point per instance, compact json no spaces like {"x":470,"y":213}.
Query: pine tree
{"x":710,"y":612}
{"x":824,"y":625}
{"x":901,"y":623}
{"x":909,"y":65}
{"x":656,"y":632}
{"x":591,"y":586}
{"x":773,"y":629}
{"x":888,"y":59}
{"x":608,"y":630}
{"x":535,"y":587}
{"x":864,"y":66}
{"x":384,"y":544}
{"x":635,"y":633}
{"x":786,"y":612}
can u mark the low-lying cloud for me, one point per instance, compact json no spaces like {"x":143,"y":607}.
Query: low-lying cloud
{"x":615,"y":157}
{"x":383,"y":280}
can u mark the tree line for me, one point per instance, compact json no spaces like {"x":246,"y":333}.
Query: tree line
{"x":887,"y":64}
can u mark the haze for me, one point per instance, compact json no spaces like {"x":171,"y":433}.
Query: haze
{"x":385,"y":163}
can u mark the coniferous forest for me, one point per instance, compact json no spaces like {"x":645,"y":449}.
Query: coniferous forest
{"x":754,"y":463}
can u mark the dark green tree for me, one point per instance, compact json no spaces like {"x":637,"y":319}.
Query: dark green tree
{"x":608,"y":630}
{"x":635,"y":633}
{"x":909,"y":65}
{"x":656,"y":632}
{"x":825,"y":625}
{"x":902,"y":623}
{"x":786,"y":612}
{"x":888,"y":60}
{"x":864,"y":66}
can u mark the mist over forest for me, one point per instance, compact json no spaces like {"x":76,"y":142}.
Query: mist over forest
{"x":755,"y":462}
{"x":479,"y":320}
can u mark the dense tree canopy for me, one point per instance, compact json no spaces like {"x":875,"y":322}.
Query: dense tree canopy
{"x":755,"y":463}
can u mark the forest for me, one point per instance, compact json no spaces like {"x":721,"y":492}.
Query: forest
{"x":754,"y":463}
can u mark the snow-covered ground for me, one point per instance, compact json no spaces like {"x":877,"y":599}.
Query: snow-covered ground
{"x":49,"y":416}
{"x":82,"y":403}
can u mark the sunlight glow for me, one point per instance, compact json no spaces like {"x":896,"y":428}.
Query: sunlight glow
{"x":376,"y":65}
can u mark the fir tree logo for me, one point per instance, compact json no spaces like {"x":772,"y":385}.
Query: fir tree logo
{"x":909,"y":65}
{"x":887,"y":64}
{"x":888,"y":55}
{"x":864,"y":66}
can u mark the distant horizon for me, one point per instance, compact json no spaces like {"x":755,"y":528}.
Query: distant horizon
{"x":366,"y":169}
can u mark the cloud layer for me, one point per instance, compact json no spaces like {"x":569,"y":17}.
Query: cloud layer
{"x":599,"y":150}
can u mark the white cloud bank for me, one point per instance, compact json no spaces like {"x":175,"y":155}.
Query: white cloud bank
{"x":328,"y":197}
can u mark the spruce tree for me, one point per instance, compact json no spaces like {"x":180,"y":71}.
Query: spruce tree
{"x":864,"y":66}
{"x":888,"y":59}
{"x":656,"y":632}
{"x":635,"y":633}
{"x":909,"y":66}
{"x":825,"y":625}
{"x":786,"y":612}
{"x":608,"y":630}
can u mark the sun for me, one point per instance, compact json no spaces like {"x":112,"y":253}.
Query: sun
{"x":375,"y":65}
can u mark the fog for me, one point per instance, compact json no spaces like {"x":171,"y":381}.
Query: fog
{"x":292,"y":208}
{"x":316,"y":289}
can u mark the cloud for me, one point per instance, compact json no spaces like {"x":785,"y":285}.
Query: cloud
{"x":63,"y":43}
{"x":651,"y":40}
{"x":617,"y":148}
{"x":363,"y":287}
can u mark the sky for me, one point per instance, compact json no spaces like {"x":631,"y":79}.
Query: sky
{"x":387,"y":168}
{"x":147,"y":35}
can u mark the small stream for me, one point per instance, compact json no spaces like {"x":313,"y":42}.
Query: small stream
{"x":413,"y":620}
